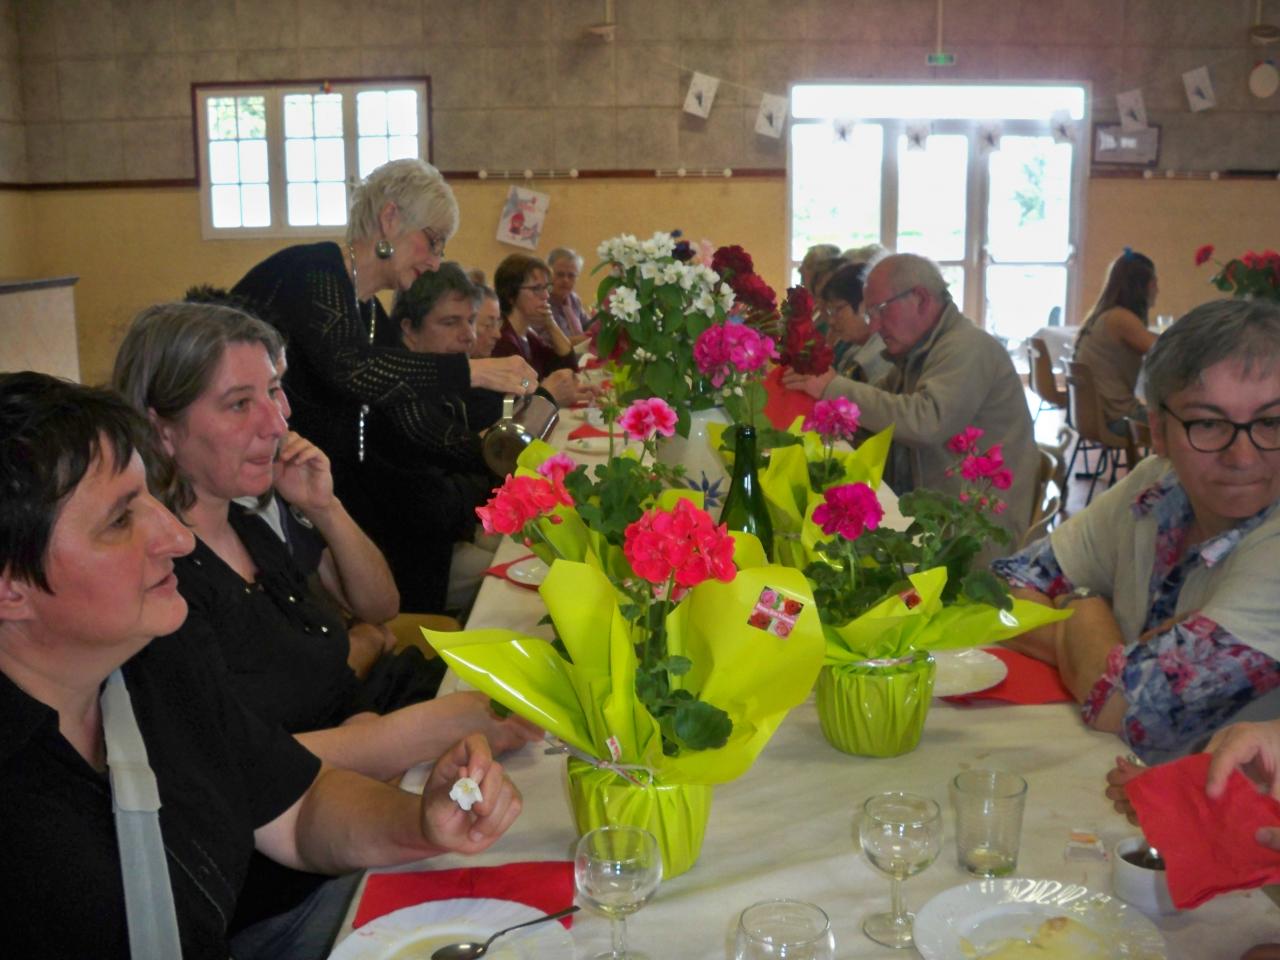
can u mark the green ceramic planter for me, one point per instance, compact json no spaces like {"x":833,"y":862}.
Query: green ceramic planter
{"x":876,"y":708}
{"x":674,"y":813}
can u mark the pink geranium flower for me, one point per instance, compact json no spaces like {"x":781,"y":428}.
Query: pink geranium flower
{"x":835,"y":419}
{"x":965,"y":441}
{"x":849,"y":510}
{"x":519,"y":501}
{"x":683,"y":543}
{"x":727,"y":349}
{"x":645,"y":417}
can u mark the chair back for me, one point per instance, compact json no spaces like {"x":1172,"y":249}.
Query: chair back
{"x":1048,"y":498}
{"x":1086,"y":407}
{"x":1043,"y":383}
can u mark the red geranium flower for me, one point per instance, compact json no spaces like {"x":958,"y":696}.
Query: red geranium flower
{"x":520,"y":500}
{"x":683,"y":543}
{"x":751,"y":290}
{"x":1203,"y":254}
{"x":732,"y":261}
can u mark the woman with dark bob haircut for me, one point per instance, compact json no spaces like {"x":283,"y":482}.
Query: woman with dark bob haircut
{"x":529,"y":328}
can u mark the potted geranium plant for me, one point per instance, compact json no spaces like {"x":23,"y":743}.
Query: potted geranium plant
{"x":1251,"y":275}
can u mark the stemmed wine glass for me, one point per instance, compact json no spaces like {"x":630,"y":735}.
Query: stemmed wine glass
{"x":901,"y":834}
{"x":616,"y":870}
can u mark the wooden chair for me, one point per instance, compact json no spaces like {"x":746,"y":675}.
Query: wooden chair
{"x":1048,"y":499}
{"x":1087,"y":417}
{"x":1043,"y":381}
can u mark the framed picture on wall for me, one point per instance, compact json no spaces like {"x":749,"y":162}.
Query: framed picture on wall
{"x":1114,"y":145}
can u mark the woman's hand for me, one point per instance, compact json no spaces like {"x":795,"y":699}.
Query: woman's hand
{"x":504,"y":375}
{"x":1124,"y":771}
{"x":812,"y":384}
{"x":1254,"y":749}
{"x":303,"y":476}
{"x":449,"y":827}
{"x":565,"y":389}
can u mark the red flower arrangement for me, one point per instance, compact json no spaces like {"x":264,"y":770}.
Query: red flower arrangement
{"x":520,"y":501}
{"x":1255,"y":275}
{"x":804,"y":348}
{"x":683,"y":546}
{"x":736,"y":268}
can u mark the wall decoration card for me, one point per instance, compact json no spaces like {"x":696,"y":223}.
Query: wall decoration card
{"x":772,"y":116}
{"x":522,"y":217}
{"x":1133,"y":110}
{"x":702,"y":93}
{"x":1199,"y":89}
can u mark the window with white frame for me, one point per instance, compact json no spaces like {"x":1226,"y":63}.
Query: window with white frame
{"x":281,"y":160}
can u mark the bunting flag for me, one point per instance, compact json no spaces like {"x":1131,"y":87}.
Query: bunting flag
{"x":702,"y":93}
{"x":772,"y":116}
{"x":989,"y":135}
{"x":1199,"y":89}
{"x":1064,"y":128}
{"x":918,"y":134}
{"x":1132,"y":109}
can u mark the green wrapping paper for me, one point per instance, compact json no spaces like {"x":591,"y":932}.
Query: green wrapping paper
{"x":674,"y":813}
{"x":755,"y":673}
{"x":873,"y":710}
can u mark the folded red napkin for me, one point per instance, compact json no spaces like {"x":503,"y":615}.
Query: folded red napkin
{"x":500,"y":570}
{"x":781,"y":405}
{"x":545,"y":885}
{"x":1208,"y":845}
{"x":585,"y":431}
{"x":1028,"y":681}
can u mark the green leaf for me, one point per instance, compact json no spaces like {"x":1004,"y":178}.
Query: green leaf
{"x":701,"y":726}
{"x":982,"y":586}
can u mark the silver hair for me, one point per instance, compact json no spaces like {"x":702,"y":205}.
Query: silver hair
{"x":1244,"y":330}
{"x":817,"y":253}
{"x":564,"y":253}
{"x":419,"y":193}
{"x":908,"y":270}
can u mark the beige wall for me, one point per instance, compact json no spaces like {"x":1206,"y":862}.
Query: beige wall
{"x":15,"y":240}
{"x":134,"y":247}
{"x":105,"y":85}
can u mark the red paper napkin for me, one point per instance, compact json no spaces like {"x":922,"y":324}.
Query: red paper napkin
{"x":585,"y":431}
{"x":1028,"y":681}
{"x":1208,"y":845}
{"x":781,"y":405}
{"x":500,"y":570}
{"x":545,"y":885}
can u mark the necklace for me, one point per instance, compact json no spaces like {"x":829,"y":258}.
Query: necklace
{"x":373,"y":319}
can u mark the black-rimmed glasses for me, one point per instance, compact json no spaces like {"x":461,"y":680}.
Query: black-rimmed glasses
{"x":1215,"y":434}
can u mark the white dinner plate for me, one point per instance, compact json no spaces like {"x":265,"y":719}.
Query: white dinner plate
{"x":971,"y":920}
{"x":412,"y":933}
{"x":530,"y":570}
{"x":593,"y":446}
{"x":966,"y":671}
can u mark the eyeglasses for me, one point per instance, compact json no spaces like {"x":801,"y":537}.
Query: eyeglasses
{"x":435,"y":242}
{"x":543,"y":287}
{"x":874,"y":311}
{"x":1214,"y":435}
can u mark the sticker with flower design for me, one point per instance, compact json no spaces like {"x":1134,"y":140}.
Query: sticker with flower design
{"x":775,"y":612}
{"x":910,"y":597}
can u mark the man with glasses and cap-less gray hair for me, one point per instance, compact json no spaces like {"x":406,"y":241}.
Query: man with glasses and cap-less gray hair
{"x":947,"y":375}
{"x":1173,"y":575}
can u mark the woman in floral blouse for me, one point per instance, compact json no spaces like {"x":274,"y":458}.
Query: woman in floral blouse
{"x":1174,"y":574}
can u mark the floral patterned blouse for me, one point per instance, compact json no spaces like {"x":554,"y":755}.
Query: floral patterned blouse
{"x":1189,"y":677}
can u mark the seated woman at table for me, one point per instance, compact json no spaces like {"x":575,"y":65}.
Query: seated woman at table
{"x":1114,"y":337}
{"x":529,"y":328}
{"x":488,"y":322}
{"x":87,"y":563}
{"x":857,"y":350}
{"x":1174,"y":572}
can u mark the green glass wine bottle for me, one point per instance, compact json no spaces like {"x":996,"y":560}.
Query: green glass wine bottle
{"x":744,"y":504}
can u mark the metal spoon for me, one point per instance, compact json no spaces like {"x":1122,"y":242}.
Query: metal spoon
{"x":469,"y":951}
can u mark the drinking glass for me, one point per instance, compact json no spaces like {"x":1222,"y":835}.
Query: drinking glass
{"x":989,"y":805}
{"x":616,"y":871}
{"x":784,"y":930}
{"x":901,"y":834}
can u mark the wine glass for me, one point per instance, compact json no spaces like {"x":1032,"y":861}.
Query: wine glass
{"x":901,"y":834}
{"x":616,"y":870}
{"x":784,"y":930}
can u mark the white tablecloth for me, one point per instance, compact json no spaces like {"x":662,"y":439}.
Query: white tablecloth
{"x":785,"y":829}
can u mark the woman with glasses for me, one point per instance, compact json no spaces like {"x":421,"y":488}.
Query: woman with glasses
{"x":529,"y":329}
{"x":857,"y":349}
{"x":1172,"y":575}
{"x":1114,"y":337}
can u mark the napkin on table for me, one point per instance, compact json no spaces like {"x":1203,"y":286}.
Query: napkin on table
{"x":1208,"y":845}
{"x":585,"y":431}
{"x":781,"y":405}
{"x":545,"y":885}
{"x":1029,"y":681}
{"x":500,"y":570}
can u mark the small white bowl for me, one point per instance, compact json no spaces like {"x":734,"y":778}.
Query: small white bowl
{"x":1144,"y":888}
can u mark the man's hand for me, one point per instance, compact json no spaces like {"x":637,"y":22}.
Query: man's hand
{"x":447,"y":825}
{"x":302,"y":475}
{"x":504,"y":375}
{"x":812,"y":384}
{"x":1124,"y":771}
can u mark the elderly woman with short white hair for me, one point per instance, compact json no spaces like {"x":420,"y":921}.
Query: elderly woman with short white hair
{"x":566,"y":306}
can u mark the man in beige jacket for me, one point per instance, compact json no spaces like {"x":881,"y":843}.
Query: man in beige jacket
{"x":947,"y":375}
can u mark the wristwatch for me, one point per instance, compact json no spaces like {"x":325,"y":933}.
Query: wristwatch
{"x":1079,"y":593}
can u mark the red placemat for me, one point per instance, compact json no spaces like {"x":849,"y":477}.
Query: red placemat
{"x":1028,"y":681}
{"x":586,"y":431}
{"x":545,"y":885}
{"x":1208,"y":845}
{"x":781,"y":405}
{"x":500,"y":570}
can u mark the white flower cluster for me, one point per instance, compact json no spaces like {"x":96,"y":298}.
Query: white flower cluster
{"x":624,"y":304}
{"x":653,"y":260}
{"x":629,"y":252}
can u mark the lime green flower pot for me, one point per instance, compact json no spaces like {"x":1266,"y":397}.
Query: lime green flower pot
{"x":876,"y":708}
{"x":674,"y":813}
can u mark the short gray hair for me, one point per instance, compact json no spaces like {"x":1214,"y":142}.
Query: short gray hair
{"x":167,"y":360}
{"x":564,"y":253}
{"x":817,"y":253}
{"x":908,"y":270}
{"x":1244,"y":330}
{"x":418,"y":191}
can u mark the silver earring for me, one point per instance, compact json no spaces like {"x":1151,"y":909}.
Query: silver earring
{"x":383,"y":249}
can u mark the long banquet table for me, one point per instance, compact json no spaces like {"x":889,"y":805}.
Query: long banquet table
{"x":785,"y":828}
